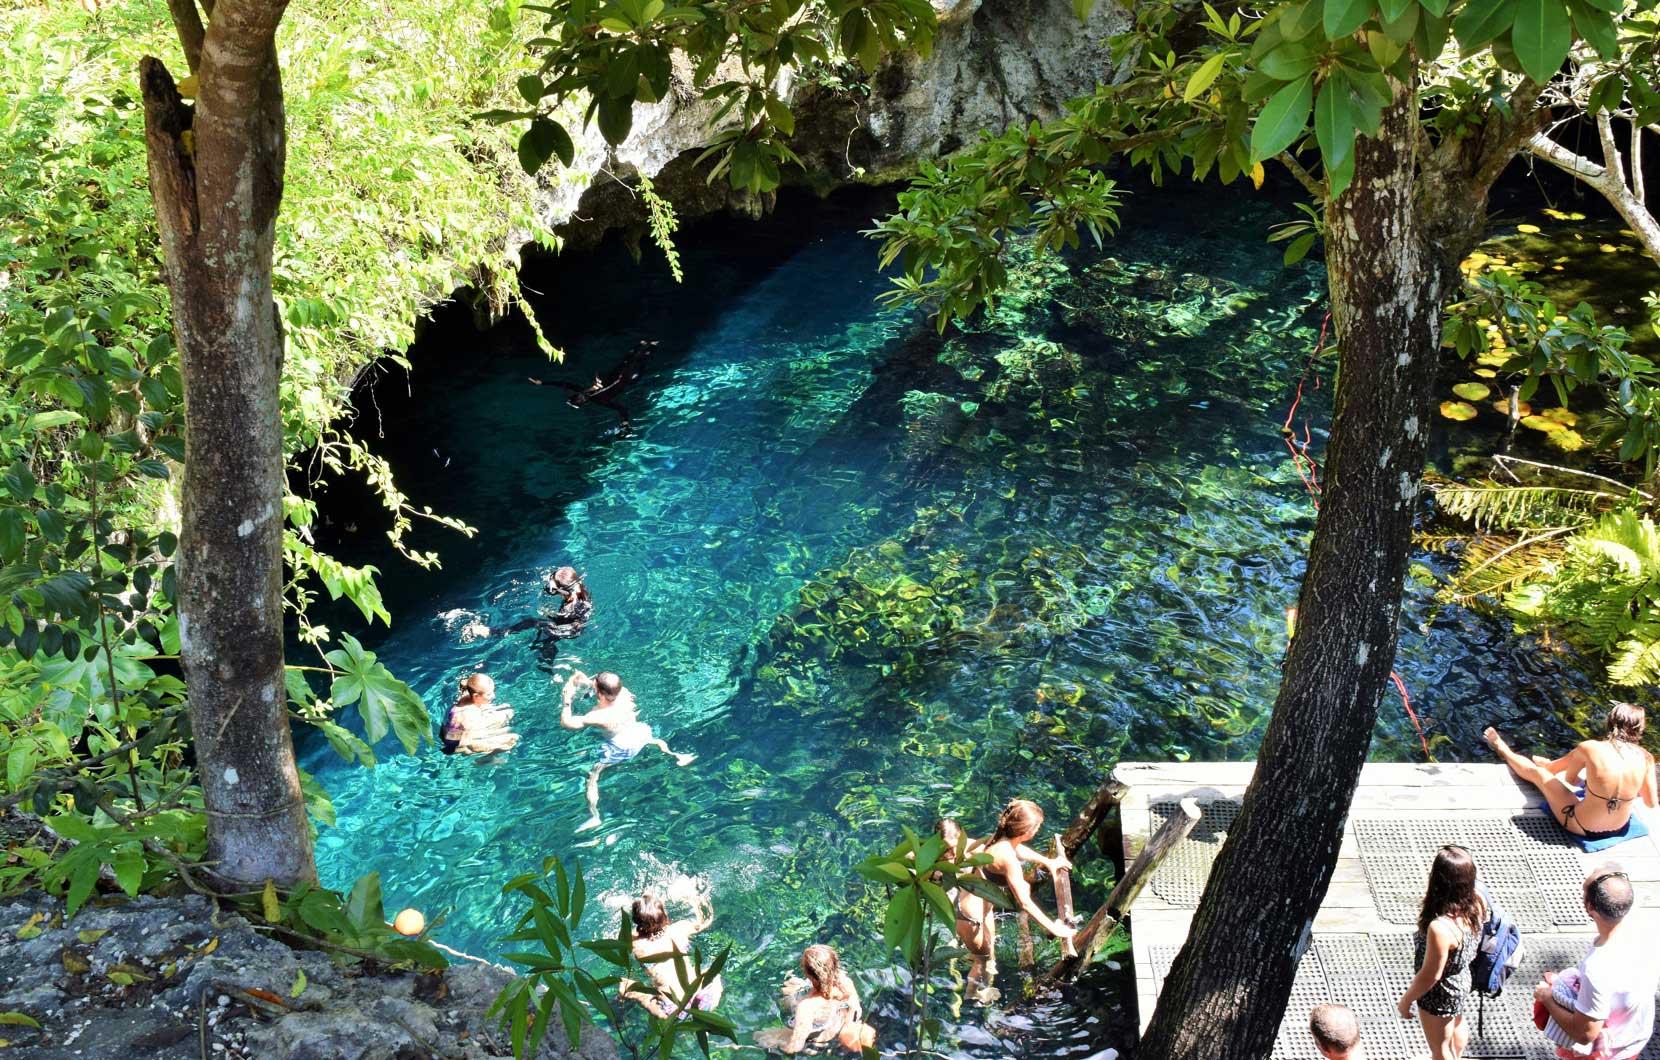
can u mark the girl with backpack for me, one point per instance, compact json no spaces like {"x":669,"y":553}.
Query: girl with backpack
{"x":1450,"y":924}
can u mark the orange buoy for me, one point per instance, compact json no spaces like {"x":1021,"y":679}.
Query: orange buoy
{"x":410,"y":922}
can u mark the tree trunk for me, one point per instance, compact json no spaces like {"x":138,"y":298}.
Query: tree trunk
{"x":1228,"y":989}
{"x":216,"y":179}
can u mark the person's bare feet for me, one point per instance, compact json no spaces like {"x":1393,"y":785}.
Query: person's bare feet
{"x":1494,"y":740}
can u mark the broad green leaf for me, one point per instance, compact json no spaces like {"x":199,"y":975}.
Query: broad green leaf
{"x":1289,"y":61}
{"x":1299,"y":248}
{"x":299,"y":983}
{"x":41,"y":421}
{"x":1597,"y":27}
{"x":1334,"y":125}
{"x":1482,"y":20}
{"x":1541,"y":36}
{"x":128,"y":865}
{"x":18,"y":1019}
{"x":363,"y":905}
{"x":1203,"y":77}
{"x":385,"y":703}
{"x":1390,"y":10}
{"x":1343,"y":17}
{"x":1284,"y":118}
{"x":616,"y":118}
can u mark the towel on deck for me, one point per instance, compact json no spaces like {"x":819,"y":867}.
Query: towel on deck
{"x":1636,"y":828}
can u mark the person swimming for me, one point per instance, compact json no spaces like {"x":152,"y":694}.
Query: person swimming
{"x":976,"y":927}
{"x":826,"y":1005}
{"x":605,"y":391}
{"x":475,"y":723}
{"x":569,"y":620}
{"x":664,"y":948}
{"x":1616,"y":770}
{"x":617,"y":715}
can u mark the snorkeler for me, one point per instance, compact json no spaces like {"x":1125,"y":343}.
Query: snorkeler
{"x":476,"y":724}
{"x":626,"y":734}
{"x":569,"y":620}
{"x":662,"y":947}
{"x":605,"y":391}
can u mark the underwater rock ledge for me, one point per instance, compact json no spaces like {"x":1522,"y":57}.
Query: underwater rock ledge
{"x":126,"y":980}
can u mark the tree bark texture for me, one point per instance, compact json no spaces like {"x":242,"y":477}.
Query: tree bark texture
{"x":216,"y":180}
{"x":1228,"y":989}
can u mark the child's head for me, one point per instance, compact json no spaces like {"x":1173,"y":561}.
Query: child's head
{"x":650,"y":916}
{"x":1020,"y":821}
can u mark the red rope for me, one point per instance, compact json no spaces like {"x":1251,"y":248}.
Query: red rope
{"x":1309,"y":472}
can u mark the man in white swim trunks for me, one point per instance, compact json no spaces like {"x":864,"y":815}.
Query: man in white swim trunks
{"x":626,"y":734}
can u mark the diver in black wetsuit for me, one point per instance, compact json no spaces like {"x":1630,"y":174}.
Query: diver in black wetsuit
{"x":605,"y":391}
{"x":571,"y":617}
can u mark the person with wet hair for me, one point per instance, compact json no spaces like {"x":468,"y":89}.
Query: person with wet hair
{"x":976,"y":926}
{"x":665,"y":948}
{"x":565,"y":623}
{"x":618,"y":717}
{"x":826,"y":1005}
{"x":1336,"y":1033}
{"x":1613,"y":1007}
{"x":1449,"y":931}
{"x":1615,"y":773}
{"x":475,"y":724}
{"x":605,"y":391}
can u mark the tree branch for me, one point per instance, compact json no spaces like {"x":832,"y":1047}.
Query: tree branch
{"x":1314,"y":187}
{"x":1575,"y":165}
{"x":189,"y":26}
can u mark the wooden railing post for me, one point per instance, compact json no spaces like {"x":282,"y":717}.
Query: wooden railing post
{"x":1100,"y":927}
{"x":1089,"y":818}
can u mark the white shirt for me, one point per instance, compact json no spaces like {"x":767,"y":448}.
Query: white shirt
{"x":1617,"y":982}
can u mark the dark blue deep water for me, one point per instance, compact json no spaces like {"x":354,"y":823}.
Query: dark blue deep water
{"x":867,"y":573}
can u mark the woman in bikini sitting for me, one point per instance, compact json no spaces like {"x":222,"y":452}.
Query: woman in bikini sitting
{"x":826,"y":1005}
{"x":660,"y":946}
{"x":1018,"y":826}
{"x":1617,"y":772}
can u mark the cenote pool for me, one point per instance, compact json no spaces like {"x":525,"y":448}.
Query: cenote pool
{"x":868,"y":574}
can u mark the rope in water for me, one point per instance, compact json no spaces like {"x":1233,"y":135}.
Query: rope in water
{"x":1309,"y":472}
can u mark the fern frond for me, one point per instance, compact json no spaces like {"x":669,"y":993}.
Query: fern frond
{"x":1498,"y":564}
{"x":1638,"y":661}
{"x":1492,"y":505}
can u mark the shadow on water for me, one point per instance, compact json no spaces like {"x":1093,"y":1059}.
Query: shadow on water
{"x":870,"y":575}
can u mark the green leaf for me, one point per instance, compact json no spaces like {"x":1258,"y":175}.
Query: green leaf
{"x":128,"y":865}
{"x":940,"y":901}
{"x":1390,"y":10}
{"x":41,"y":421}
{"x":1482,"y":20}
{"x":18,"y":1019}
{"x":363,"y":905}
{"x":299,"y":983}
{"x":19,"y":481}
{"x":1541,"y":37}
{"x":1203,"y":77}
{"x":616,"y":118}
{"x":1289,"y":61}
{"x":1343,"y":17}
{"x":1597,"y":27}
{"x":1334,"y":125}
{"x":1283,"y":119}
{"x":13,"y":534}
{"x":530,"y":88}
{"x":540,"y":142}
{"x":383,"y":702}
{"x":1299,"y":248}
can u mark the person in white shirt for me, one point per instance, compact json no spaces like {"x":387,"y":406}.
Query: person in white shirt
{"x":1614,"y":1011}
{"x":1336,"y":1033}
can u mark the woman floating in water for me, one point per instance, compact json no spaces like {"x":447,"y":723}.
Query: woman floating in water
{"x":475,"y":724}
{"x":665,"y":948}
{"x":975,"y":925}
{"x":826,"y":1007}
{"x":1449,"y":930}
{"x":1617,"y":772}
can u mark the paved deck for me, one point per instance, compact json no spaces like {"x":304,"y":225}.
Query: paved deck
{"x":1362,"y":955}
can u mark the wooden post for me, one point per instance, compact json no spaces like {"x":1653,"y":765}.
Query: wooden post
{"x":1063,"y":887}
{"x":1089,"y":818}
{"x":1100,"y":927}
{"x":1027,"y":958}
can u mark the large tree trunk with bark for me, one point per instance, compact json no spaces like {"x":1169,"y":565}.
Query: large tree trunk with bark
{"x":1228,"y":989}
{"x":216,"y":179}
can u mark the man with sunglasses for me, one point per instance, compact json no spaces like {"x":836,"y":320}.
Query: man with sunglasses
{"x":1614,"y":1011}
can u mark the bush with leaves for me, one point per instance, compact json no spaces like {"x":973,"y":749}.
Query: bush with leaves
{"x":556,"y":981}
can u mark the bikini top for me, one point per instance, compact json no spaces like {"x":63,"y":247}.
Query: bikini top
{"x":1613,"y":802}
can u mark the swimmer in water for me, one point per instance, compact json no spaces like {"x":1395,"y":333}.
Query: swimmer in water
{"x":605,"y":391}
{"x":575,"y":609}
{"x":665,"y":948}
{"x":616,"y":715}
{"x":475,"y":723}
{"x":826,"y":1007}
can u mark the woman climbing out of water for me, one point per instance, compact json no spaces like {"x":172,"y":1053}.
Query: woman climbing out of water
{"x":826,"y":1007}
{"x":1449,"y":931}
{"x":975,"y":924}
{"x":475,"y":724}
{"x":665,"y":948}
{"x":1616,"y":770}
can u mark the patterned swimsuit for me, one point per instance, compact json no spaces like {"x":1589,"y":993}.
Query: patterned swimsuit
{"x":1446,"y":998}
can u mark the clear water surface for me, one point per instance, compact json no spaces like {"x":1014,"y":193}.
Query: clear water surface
{"x":868,"y":575}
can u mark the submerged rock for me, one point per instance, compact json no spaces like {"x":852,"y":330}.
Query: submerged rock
{"x":143,"y":979}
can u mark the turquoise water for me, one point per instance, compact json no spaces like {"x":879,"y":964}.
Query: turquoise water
{"x":868,"y":575}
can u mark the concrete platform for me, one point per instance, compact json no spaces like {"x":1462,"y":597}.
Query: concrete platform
{"x":1360,"y":934}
